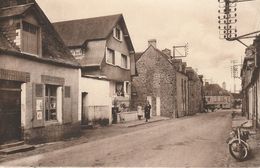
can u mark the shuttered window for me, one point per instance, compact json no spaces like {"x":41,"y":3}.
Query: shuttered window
{"x":30,"y":40}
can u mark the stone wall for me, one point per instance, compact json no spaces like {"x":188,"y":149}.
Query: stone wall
{"x":156,"y":78}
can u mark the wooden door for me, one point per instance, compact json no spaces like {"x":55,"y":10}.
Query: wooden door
{"x":10,"y":112}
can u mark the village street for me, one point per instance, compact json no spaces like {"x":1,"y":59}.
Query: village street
{"x":192,"y":141}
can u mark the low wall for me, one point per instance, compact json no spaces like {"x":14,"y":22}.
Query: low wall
{"x":96,"y":115}
{"x":127,"y":116}
{"x":51,"y":133}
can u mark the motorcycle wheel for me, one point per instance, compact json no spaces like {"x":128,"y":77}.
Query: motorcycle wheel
{"x":239,"y":151}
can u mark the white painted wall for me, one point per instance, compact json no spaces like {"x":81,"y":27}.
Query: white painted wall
{"x":23,"y":104}
{"x":98,"y":95}
{"x":59,"y":104}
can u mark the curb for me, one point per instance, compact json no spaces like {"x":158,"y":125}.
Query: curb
{"x":144,"y":123}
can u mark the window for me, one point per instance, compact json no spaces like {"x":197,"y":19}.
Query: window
{"x":50,"y":102}
{"x":77,"y":52}
{"x":117,"y":33}
{"x":30,"y":38}
{"x":124,"y":61}
{"x":120,"y":88}
{"x":110,"y":56}
{"x":29,"y":28}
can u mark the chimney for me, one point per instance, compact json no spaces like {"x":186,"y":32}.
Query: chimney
{"x":206,"y":83}
{"x":167,"y":52}
{"x":152,"y":42}
{"x":224,"y":86}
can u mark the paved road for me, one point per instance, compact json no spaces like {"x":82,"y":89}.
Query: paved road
{"x":193,"y":141}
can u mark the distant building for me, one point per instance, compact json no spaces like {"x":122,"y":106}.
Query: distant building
{"x":216,"y":97}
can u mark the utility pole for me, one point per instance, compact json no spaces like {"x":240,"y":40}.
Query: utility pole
{"x":228,"y":18}
{"x":235,"y":68}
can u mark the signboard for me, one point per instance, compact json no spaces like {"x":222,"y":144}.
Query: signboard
{"x":39,"y":109}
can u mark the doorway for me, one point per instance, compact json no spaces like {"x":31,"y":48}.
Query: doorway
{"x":158,"y":106}
{"x":10,"y":111}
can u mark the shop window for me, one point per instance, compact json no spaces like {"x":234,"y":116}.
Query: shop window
{"x":110,"y":57}
{"x":120,"y":88}
{"x":50,"y":102}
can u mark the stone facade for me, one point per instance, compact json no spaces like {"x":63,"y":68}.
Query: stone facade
{"x":195,"y":85}
{"x":156,"y":82}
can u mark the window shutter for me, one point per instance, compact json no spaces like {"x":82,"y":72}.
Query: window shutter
{"x":67,"y":105}
{"x":38,"y":105}
{"x":67,"y":91}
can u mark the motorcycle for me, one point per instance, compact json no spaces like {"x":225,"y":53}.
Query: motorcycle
{"x":238,"y":147}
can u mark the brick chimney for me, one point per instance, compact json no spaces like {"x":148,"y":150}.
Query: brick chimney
{"x":167,"y":52}
{"x":152,"y":42}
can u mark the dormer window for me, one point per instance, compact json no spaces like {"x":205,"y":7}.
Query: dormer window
{"x":30,"y":39}
{"x":117,"y":34}
{"x":77,"y":53}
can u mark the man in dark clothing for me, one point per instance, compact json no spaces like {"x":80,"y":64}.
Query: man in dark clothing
{"x":147,"y":109}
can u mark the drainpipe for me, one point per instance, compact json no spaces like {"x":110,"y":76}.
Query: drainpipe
{"x":257,"y":81}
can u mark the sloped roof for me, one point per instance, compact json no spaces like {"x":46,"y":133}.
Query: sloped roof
{"x":14,"y":10}
{"x":94,"y":56}
{"x":138,"y":55}
{"x":53,"y":48}
{"x":5,"y":44}
{"x":76,"y":32}
{"x":215,"y":90}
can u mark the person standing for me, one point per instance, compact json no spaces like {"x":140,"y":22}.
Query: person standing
{"x":147,"y":110}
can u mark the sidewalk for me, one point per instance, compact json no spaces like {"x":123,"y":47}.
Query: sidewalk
{"x":141,"y":122}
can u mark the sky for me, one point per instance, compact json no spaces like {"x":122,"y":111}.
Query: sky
{"x":172,"y":23}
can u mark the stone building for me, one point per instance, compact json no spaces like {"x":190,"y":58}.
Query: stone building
{"x":162,"y":81}
{"x":251,"y":82}
{"x":104,"y":50}
{"x":195,"y":86}
{"x":181,"y":88}
{"x":39,"y":78}
{"x":155,"y":82}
